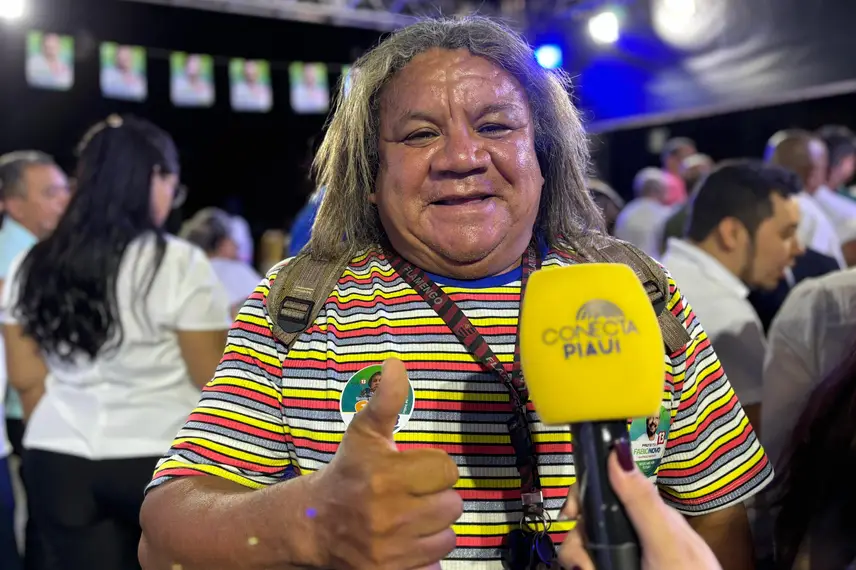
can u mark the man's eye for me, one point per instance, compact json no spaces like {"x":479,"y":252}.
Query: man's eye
{"x":493,"y":129}
{"x":419,"y":135}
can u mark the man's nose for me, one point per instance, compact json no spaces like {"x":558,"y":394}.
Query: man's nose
{"x":797,"y":248}
{"x":463,"y":153}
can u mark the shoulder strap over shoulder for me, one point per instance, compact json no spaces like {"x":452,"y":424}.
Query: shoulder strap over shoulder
{"x":299,"y":291}
{"x":605,"y":249}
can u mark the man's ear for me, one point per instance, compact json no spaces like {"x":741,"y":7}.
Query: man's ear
{"x":14,"y":206}
{"x":730,"y":232}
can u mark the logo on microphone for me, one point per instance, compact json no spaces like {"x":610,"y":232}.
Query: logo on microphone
{"x":599,"y":329}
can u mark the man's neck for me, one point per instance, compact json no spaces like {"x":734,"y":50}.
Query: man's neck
{"x":727,"y":261}
{"x":23,"y":225}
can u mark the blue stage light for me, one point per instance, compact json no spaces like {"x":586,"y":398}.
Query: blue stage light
{"x":549,"y":56}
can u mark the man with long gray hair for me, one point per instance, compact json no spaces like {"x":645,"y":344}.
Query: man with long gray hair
{"x":454,"y":169}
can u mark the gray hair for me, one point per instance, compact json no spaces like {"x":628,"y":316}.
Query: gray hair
{"x":14,"y":165}
{"x":649,"y":180}
{"x":347,"y":161}
{"x":207,"y":229}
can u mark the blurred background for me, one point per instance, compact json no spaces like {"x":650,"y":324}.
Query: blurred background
{"x":725,"y":72}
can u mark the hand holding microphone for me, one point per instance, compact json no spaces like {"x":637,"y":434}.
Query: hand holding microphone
{"x":379,"y":508}
{"x":592,"y":355}
{"x":668,"y":542}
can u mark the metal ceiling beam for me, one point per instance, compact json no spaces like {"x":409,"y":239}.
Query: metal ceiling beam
{"x":369,"y":14}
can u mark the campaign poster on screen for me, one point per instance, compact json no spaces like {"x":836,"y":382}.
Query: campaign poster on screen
{"x":191,"y":79}
{"x":50,"y":61}
{"x":250,"y":87}
{"x":310,"y":92}
{"x":123,"y":72}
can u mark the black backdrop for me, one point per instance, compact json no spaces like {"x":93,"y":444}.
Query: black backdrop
{"x":620,"y":154}
{"x":259,"y":158}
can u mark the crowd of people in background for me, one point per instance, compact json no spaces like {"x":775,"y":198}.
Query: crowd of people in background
{"x":112,"y":327}
{"x":764,"y":251}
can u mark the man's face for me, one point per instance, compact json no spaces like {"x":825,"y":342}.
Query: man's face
{"x":374,"y":383}
{"x":675,"y":160}
{"x":776,"y":245}
{"x":652,"y":424}
{"x":695,"y":171}
{"x":843,"y":172}
{"x":193,"y":67}
{"x":50,"y":47}
{"x":251,"y":72}
{"x":45,"y":199}
{"x":459,"y":183}
{"x":310,"y":75}
{"x":123,"y":58}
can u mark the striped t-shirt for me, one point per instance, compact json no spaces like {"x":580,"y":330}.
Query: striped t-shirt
{"x":268,"y":415}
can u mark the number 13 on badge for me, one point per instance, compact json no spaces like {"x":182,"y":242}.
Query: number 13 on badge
{"x":360,"y":389}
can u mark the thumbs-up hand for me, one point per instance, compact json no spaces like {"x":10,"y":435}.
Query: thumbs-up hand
{"x":379,"y":508}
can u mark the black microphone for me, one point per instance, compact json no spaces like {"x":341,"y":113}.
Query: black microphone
{"x":592,"y":356}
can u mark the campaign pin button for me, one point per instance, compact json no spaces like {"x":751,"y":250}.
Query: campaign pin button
{"x":359,"y":391}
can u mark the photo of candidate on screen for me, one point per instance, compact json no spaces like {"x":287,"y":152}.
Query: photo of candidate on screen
{"x":309,"y":91}
{"x":250,"y":85}
{"x":50,"y":61}
{"x":191,"y":80}
{"x":123,"y":72}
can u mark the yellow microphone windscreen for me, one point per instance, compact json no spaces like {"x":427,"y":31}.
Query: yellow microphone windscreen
{"x":590,"y":345}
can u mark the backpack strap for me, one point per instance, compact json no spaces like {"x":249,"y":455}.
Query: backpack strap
{"x":299,"y":291}
{"x":303,"y":285}
{"x":605,"y":249}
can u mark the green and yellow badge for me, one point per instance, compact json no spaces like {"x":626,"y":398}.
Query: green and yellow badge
{"x":648,"y":438}
{"x":360,"y":389}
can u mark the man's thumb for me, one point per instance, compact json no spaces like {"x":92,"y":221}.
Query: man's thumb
{"x":381,"y":413}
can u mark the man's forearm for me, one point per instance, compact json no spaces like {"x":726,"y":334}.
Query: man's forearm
{"x":208,"y":523}
{"x":728,"y":535}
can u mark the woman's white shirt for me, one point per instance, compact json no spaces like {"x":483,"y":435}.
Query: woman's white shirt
{"x":238,"y":278}
{"x":131,"y":401}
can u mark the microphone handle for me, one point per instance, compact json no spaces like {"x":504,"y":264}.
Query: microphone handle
{"x":610,"y":538}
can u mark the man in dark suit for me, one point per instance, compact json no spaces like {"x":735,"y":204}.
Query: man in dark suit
{"x":810,"y":264}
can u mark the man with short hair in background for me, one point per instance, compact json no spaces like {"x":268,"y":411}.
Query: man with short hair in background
{"x":641,"y":221}
{"x":805,"y":155}
{"x":35,"y":194}
{"x":742,"y":234}
{"x":839,"y":208}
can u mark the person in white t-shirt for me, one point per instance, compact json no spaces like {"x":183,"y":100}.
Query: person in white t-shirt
{"x":641,"y":221}
{"x":112,"y":328}
{"x":210,"y":229}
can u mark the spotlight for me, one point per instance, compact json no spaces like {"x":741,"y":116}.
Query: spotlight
{"x":11,"y":9}
{"x":680,"y":8}
{"x":549,"y":56}
{"x":603,"y":28}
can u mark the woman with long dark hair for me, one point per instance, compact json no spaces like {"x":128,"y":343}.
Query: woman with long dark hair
{"x":112,"y":328}
{"x":816,"y":525}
